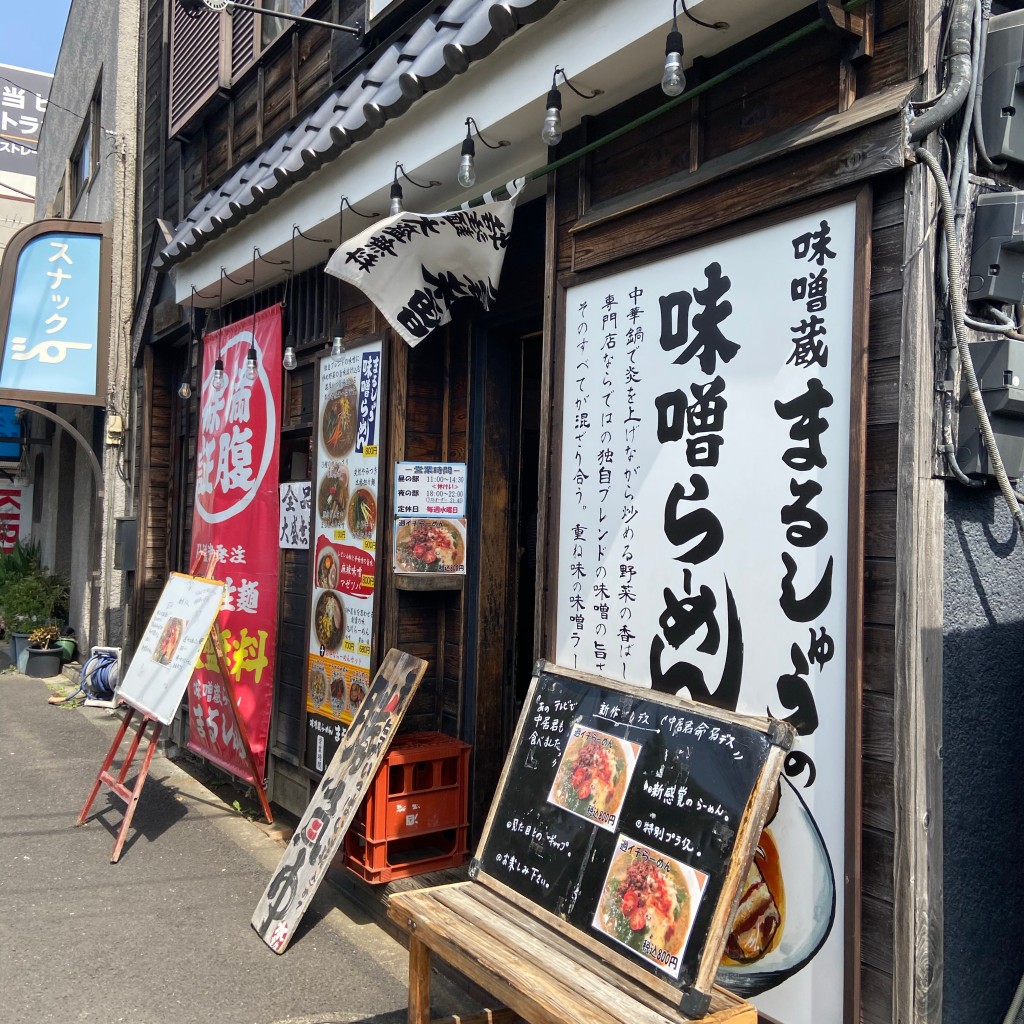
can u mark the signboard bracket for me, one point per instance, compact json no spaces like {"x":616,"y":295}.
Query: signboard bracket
{"x":94,"y":463}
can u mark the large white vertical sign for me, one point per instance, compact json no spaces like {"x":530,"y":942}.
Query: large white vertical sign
{"x":703,"y":540}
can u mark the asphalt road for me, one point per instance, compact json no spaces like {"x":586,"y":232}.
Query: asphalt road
{"x":163,"y":936}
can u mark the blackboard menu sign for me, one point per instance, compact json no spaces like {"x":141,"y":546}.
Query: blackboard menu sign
{"x":628,"y":820}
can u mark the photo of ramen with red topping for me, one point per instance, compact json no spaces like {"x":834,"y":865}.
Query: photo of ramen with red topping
{"x":593,"y":776}
{"x":429,"y":545}
{"x":648,"y":903}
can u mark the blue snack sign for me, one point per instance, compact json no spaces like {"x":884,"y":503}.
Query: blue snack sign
{"x":54,"y":299}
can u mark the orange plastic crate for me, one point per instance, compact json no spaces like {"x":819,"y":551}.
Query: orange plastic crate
{"x":415,"y":817}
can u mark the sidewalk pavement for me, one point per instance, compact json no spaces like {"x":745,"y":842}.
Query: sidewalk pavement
{"x":163,"y":936}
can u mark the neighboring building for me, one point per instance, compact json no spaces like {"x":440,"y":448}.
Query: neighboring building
{"x":23,"y":95}
{"x":776,"y":214}
{"x":86,"y":172}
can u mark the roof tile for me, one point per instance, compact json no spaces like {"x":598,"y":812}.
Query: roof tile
{"x":444,"y":44}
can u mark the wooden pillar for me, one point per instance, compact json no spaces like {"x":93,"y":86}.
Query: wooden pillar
{"x":918,"y":918}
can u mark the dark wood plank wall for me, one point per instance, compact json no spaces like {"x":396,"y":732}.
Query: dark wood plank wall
{"x":432,"y":424}
{"x":429,"y":623}
{"x":767,"y":99}
{"x":877,"y":834}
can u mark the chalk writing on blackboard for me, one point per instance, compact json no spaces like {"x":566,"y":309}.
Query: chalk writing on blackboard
{"x":619,"y":812}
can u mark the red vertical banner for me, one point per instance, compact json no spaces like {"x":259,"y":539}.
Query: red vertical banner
{"x":236,"y":518}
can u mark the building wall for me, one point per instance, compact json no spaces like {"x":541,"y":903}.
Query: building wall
{"x":100,"y":45}
{"x":983,"y":773}
{"x":16,"y":211}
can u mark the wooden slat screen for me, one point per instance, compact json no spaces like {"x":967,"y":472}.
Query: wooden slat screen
{"x":197,"y":65}
{"x":243,"y":42}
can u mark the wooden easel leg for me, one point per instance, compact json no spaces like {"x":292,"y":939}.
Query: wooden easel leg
{"x":139,"y":782}
{"x":108,"y":761}
{"x":132,"y":751}
{"x":419,"y":982}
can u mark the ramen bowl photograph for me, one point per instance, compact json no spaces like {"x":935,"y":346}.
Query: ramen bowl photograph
{"x":648,"y":903}
{"x":593,"y":776}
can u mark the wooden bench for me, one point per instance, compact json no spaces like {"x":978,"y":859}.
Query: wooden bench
{"x":536,"y":973}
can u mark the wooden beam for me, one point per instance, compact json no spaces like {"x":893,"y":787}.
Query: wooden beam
{"x":917,"y":710}
{"x":917,"y":967}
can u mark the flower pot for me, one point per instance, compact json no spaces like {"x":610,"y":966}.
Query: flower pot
{"x":19,"y":643}
{"x":66,"y":646}
{"x":42,"y":662}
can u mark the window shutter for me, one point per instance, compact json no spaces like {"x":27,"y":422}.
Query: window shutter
{"x":199,"y":64}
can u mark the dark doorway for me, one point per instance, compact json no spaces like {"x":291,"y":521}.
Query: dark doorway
{"x":506,"y":357}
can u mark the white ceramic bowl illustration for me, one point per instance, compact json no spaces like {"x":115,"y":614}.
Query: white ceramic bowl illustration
{"x":810,"y":900}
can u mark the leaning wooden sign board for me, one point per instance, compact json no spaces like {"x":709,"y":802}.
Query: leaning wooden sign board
{"x":628,"y":820}
{"x":329,"y":814}
{"x":156,"y":681}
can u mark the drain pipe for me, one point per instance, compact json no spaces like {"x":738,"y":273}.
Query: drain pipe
{"x":960,"y":22}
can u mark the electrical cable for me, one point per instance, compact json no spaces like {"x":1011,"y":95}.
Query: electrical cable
{"x":959,"y":177}
{"x":949,"y":446}
{"x":989,"y":328}
{"x":11,"y":188}
{"x":53,"y":103}
{"x":952,"y":99}
{"x":956,"y":303}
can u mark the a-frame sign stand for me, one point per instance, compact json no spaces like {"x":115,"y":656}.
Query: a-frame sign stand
{"x":117,"y":782}
{"x":106,"y":776}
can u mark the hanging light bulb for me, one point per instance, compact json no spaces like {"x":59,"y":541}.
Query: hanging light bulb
{"x":551,"y":133}
{"x":467,"y":165}
{"x":337,"y":345}
{"x":185,"y":389}
{"x":396,"y":200}
{"x":219,"y":377}
{"x":673,"y":81}
{"x":289,"y":362}
{"x":250,"y":362}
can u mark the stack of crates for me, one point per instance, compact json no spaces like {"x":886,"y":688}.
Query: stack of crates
{"x":415,"y":818}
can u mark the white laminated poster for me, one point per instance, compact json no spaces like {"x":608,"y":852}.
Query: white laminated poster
{"x":160,"y":671}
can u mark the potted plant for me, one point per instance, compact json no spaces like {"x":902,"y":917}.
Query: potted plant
{"x":30,"y":600}
{"x":42,"y":656}
{"x":67,"y":644}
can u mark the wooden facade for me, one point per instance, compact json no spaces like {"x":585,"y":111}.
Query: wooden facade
{"x":813,"y":119}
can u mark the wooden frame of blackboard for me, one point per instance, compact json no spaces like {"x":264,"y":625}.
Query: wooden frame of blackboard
{"x":559,"y":283}
{"x":694,"y":999}
{"x":382,"y":538}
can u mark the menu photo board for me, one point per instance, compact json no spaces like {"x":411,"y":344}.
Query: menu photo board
{"x":161,"y":668}
{"x":629,"y":821}
{"x":430,"y":518}
{"x":345,"y":538}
